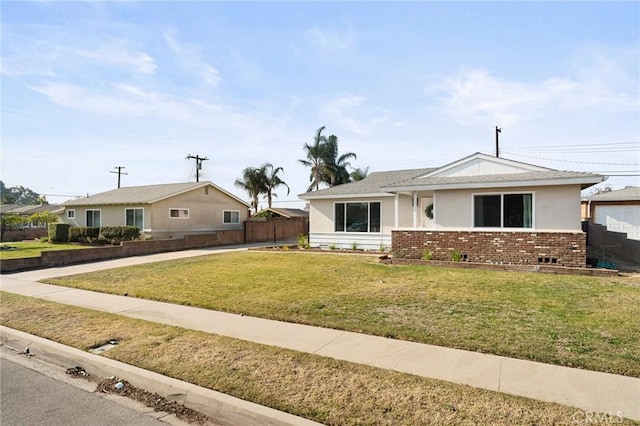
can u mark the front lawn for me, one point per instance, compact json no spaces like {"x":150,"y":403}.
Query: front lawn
{"x":576,"y":321}
{"x":322,"y":389}
{"x":32,"y":249}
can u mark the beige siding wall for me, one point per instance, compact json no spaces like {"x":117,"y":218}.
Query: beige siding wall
{"x":555,"y":207}
{"x":109,"y":215}
{"x":205,"y":213}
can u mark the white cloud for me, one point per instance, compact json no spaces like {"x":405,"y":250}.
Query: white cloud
{"x":476,"y":96}
{"x":340,"y":112}
{"x":139,"y":62}
{"x":189,"y":57}
{"x":330,"y":40}
{"x":125,"y":101}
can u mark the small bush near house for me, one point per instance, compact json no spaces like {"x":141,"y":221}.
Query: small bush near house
{"x":116,"y":234}
{"x":43,"y":239}
{"x":83,"y":234}
{"x":427,"y":255}
{"x":303,"y":241}
{"x":456,"y":256}
{"x":59,"y":232}
{"x":332,"y":247}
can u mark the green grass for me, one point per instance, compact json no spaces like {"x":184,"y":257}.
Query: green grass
{"x":323,"y":389}
{"x":575,"y":321}
{"x":33,"y":249}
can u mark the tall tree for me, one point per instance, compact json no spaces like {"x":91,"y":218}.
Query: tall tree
{"x":272,"y":181}
{"x":315,"y":153}
{"x":252,"y":182}
{"x":359,"y":174}
{"x":335,"y":164}
{"x":20,"y":195}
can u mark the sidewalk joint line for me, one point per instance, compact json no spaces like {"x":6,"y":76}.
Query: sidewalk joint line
{"x":329,"y":342}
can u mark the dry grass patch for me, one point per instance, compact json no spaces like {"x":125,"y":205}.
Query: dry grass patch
{"x":577,"y":321}
{"x":326,"y":390}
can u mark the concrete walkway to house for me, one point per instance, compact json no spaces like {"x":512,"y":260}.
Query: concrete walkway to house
{"x":588,"y":390}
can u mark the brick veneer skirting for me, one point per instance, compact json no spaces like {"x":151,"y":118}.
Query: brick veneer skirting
{"x":549,"y":248}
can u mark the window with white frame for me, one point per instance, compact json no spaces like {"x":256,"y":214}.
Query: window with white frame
{"x":93,"y":218}
{"x":503,"y":210}
{"x":179,"y":213}
{"x":357,"y":217}
{"x":71,"y":214}
{"x":230,"y":217}
{"x":134,"y":217}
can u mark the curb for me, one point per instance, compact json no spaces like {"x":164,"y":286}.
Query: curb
{"x":219,"y":406}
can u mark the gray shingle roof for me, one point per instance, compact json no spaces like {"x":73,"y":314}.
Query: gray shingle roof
{"x":140,"y":194}
{"x":28,"y":209}
{"x":491,"y":178}
{"x":629,"y":193}
{"x":372,"y":184}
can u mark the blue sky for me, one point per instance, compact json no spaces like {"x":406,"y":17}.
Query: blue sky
{"x":88,"y":86}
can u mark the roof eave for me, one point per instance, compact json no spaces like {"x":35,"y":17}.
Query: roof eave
{"x":344,"y":196}
{"x":504,"y":184}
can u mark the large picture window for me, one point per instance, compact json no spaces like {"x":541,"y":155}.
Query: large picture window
{"x":93,"y":218}
{"x":357,"y":217}
{"x":134,"y":217}
{"x":503,"y":211}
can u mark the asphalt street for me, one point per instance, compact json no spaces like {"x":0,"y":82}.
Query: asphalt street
{"x":32,"y":397}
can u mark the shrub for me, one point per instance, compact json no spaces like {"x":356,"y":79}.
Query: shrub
{"x":332,"y":246}
{"x":43,"y":239}
{"x":427,"y":254}
{"x":116,"y":234}
{"x":83,"y":234}
{"x":456,"y":256}
{"x":303,"y":241}
{"x":354,"y":246}
{"x":59,"y":232}
{"x":382,"y":247}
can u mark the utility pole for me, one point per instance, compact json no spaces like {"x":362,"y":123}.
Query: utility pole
{"x":199,"y":161}
{"x":498,"y":131}
{"x":119,"y":172}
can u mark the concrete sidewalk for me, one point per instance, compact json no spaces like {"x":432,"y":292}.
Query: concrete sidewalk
{"x":587,"y":390}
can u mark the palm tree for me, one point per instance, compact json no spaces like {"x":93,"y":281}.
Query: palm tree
{"x":271,"y":181}
{"x":359,"y":174}
{"x":252,"y":182}
{"x":315,"y":154}
{"x":335,"y":165}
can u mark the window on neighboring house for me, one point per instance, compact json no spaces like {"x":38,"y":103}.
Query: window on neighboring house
{"x":134,"y":217}
{"x":179,"y":213}
{"x":503,"y":211}
{"x":230,"y":216}
{"x":357,"y":217}
{"x":93,"y":219}
{"x":71,"y":214}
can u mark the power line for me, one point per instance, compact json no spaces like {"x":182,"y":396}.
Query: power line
{"x":603,"y":144}
{"x":573,"y":161}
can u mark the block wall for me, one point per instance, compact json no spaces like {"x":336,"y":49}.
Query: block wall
{"x":534,"y":248}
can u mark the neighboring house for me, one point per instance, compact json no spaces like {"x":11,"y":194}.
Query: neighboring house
{"x":618,"y":210}
{"x":26,"y":210}
{"x":283,"y":213}
{"x":161,"y":211}
{"x":486,"y":208}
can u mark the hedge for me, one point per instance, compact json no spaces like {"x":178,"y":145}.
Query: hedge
{"x":83,"y":234}
{"x":115,"y":234}
{"x":59,"y":232}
